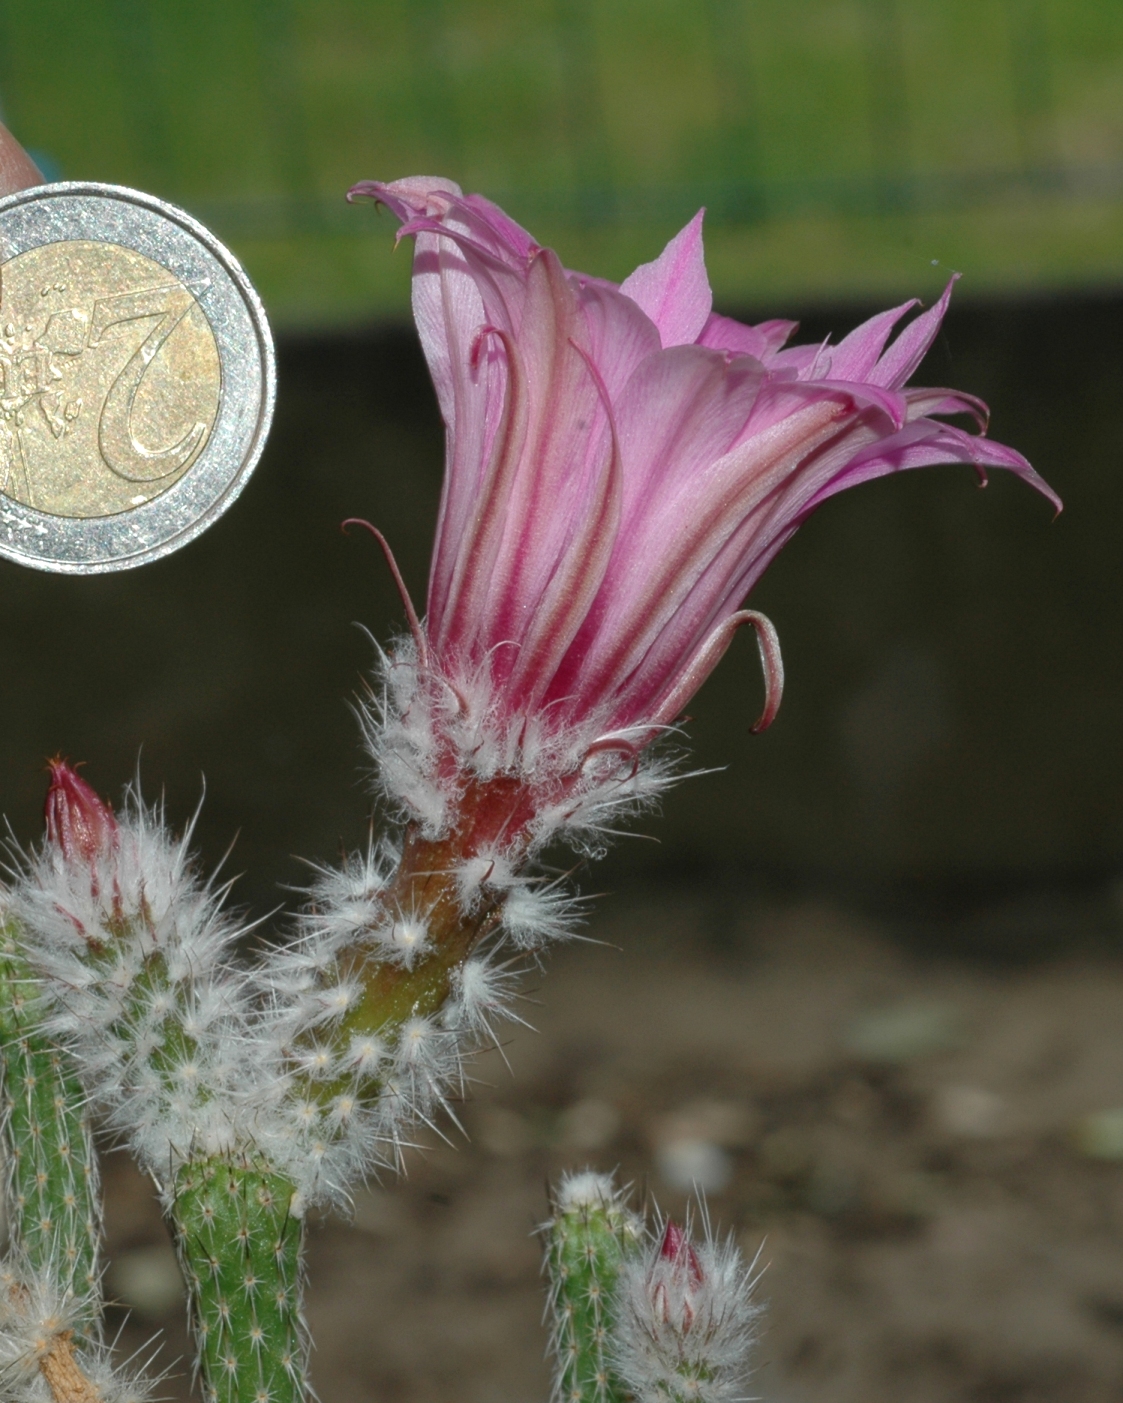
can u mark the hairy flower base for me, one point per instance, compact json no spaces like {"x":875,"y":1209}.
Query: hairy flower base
{"x":425,"y":896}
{"x":451,"y":761}
{"x":408,"y":956}
{"x":686,"y":1320}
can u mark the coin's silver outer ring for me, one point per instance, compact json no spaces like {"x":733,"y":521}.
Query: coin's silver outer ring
{"x":73,"y":209}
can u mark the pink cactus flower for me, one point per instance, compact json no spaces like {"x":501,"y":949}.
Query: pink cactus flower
{"x":623,"y":463}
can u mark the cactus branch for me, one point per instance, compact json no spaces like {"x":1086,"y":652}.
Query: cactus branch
{"x":240,"y":1247}
{"x":586,"y":1241}
{"x":52,"y":1187}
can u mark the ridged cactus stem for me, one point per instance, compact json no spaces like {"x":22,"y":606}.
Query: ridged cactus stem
{"x":425,"y":887}
{"x":586,"y":1242}
{"x":52,"y":1188}
{"x":423,"y":894}
{"x":240,"y":1247}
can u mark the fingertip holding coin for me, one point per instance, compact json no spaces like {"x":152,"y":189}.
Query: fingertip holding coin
{"x":137,"y":377}
{"x":17,"y":169}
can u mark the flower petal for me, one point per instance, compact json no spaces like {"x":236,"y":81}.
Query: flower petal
{"x":676,"y":523}
{"x":856,"y":354}
{"x":581,"y":563}
{"x":623,"y":464}
{"x":547,"y":515}
{"x":926,"y":443}
{"x":922,"y":402}
{"x":900,"y":361}
{"x":473,"y":515}
{"x":674,"y":290}
{"x":761,"y":341}
{"x":406,"y":199}
{"x":665,"y":709}
{"x":619,"y":336}
{"x":690,"y":563}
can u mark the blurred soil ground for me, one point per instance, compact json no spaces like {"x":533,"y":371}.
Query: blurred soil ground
{"x":927,"y":1152}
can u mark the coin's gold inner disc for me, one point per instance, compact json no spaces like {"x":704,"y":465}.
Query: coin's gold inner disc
{"x":110,"y":378}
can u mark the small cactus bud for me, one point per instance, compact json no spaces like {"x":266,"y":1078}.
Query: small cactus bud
{"x":685,"y":1321}
{"x":675,"y":1280}
{"x":79,"y":822}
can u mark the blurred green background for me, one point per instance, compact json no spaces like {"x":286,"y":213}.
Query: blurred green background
{"x":842,"y":147}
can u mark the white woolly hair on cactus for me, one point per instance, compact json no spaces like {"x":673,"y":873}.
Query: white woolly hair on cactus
{"x":190,"y":1054}
{"x":429,"y":1069}
{"x":404,"y":939}
{"x":34,"y":1312}
{"x":685,"y":1320}
{"x":137,"y":960}
{"x":344,"y":902}
{"x":538,"y":911}
{"x":418,"y":1068}
{"x":620,"y":781}
{"x":38,"y":1348}
{"x":418,"y":1071}
{"x":397,"y":721}
{"x":411,"y":719}
{"x":484,"y":874}
{"x":483,"y":991}
{"x":586,"y":1188}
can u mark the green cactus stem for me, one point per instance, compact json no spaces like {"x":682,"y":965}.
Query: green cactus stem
{"x":425,"y":884}
{"x":240,"y":1247}
{"x":52,"y":1188}
{"x":586,"y":1241}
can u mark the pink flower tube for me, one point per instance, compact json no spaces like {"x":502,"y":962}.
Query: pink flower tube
{"x":623,"y":463}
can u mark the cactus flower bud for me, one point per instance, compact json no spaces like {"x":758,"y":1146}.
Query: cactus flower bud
{"x":676,"y":1279}
{"x":685,"y":1322}
{"x":79,"y":822}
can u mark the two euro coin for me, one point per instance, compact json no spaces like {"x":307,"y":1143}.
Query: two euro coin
{"x":137,"y":378}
